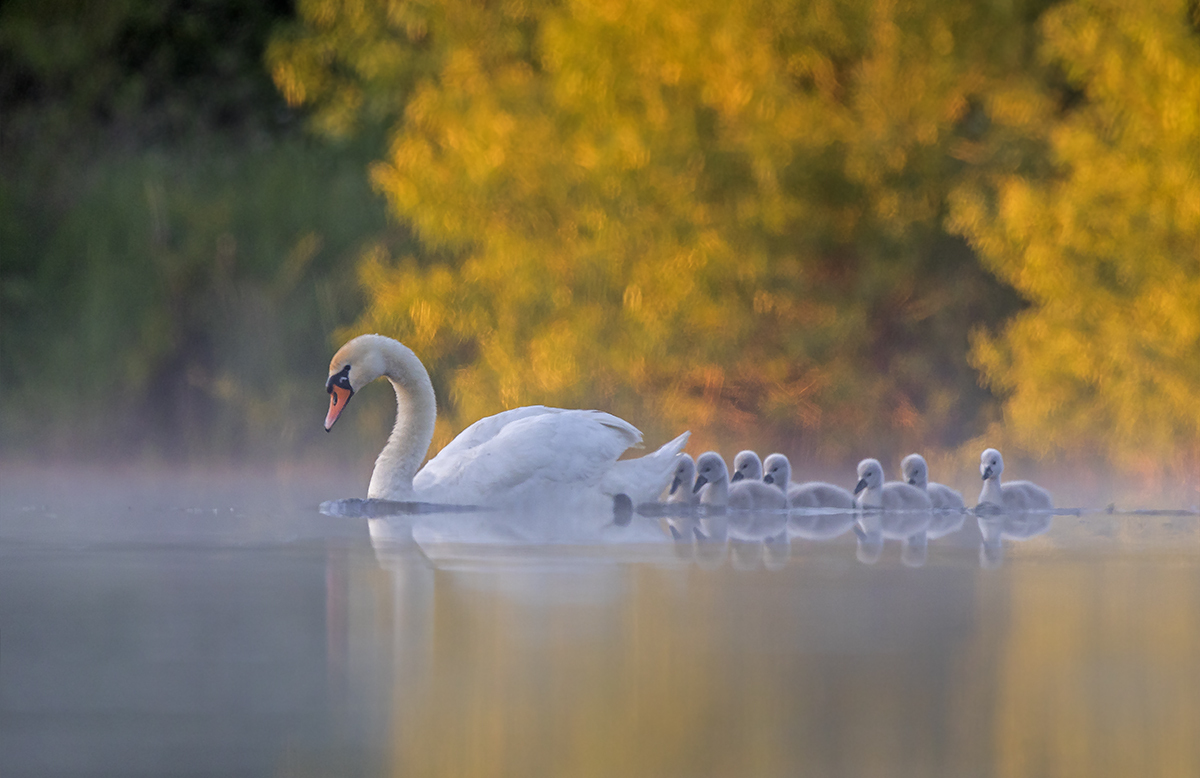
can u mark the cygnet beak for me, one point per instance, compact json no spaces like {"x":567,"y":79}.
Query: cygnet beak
{"x":987,"y":473}
{"x":912,"y":482}
{"x":862,"y":484}
{"x":768,"y":479}
{"x":675,"y":484}
{"x":700,"y":481}
{"x":737,"y":476}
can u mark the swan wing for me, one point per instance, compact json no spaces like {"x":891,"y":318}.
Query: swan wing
{"x":526,"y":454}
{"x":479,"y":433}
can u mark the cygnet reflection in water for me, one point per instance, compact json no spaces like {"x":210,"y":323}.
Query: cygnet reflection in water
{"x":945,"y":523}
{"x":711,"y":541}
{"x":777,"y":551}
{"x":820,"y":526}
{"x":909,"y":527}
{"x":1019,"y":526}
{"x":745,"y":555}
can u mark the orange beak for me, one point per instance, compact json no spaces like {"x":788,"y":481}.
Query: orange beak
{"x":338,"y":398}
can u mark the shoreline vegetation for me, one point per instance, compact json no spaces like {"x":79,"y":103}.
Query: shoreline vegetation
{"x":834,"y":230}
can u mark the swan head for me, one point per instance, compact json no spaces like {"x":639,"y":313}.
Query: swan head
{"x":710,"y":468}
{"x":914,"y":471}
{"x":355,"y":365}
{"x":778,"y":471}
{"x":747,"y":465}
{"x":685,"y":472}
{"x":991,"y":464}
{"x":870,"y":475}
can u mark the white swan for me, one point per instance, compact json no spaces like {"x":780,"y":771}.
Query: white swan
{"x":747,"y":465}
{"x":1012,"y":496}
{"x":872,"y":492}
{"x":814,"y":494}
{"x":526,"y":457}
{"x":713,"y":476}
{"x":915,"y":471}
{"x":681,"y":484}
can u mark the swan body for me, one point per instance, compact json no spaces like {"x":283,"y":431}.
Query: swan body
{"x":872,"y":492}
{"x":915,"y":471}
{"x":1012,"y":496}
{"x":747,"y":465}
{"x":814,"y":494}
{"x":526,"y":457}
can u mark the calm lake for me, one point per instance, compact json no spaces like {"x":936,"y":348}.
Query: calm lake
{"x":157,"y":625}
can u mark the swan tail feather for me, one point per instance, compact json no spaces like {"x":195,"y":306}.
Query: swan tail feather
{"x":643,"y":479}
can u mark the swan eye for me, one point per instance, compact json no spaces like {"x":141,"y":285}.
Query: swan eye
{"x":340,"y":379}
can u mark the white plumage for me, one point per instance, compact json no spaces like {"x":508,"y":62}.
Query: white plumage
{"x":747,"y":465}
{"x":891,"y":496}
{"x":915,"y":471}
{"x":814,"y":494}
{"x":531,"y":457}
{"x":681,"y":483}
{"x":713,"y":476}
{"x":1012,"y":496}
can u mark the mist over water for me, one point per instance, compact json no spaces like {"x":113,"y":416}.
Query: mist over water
{"x":163,"y":623}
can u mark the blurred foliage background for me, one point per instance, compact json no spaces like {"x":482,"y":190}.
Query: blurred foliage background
{"x":830,"y":228}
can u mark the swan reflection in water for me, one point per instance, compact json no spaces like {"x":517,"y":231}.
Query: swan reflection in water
{"x":708,"y":538}
{"x":995,"y":527}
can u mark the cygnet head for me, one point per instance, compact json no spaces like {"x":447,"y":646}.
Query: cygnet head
{"x":710,"y":469}
{"x":991,"y":464}
{"x":870,"y":475}
{"x":778,"y":471}
{"x":355,"y":365}
{"x":685,"y":473}
{"x":747,"y":465}
{"x":914,"y":471}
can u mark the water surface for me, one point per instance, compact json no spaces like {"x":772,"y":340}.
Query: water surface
{"x":154,"y":625}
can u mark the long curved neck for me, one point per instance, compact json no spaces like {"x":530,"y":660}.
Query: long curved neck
{"x":416,"y":412}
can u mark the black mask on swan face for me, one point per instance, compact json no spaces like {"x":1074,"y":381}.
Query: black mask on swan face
{"x":340,"y":392}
